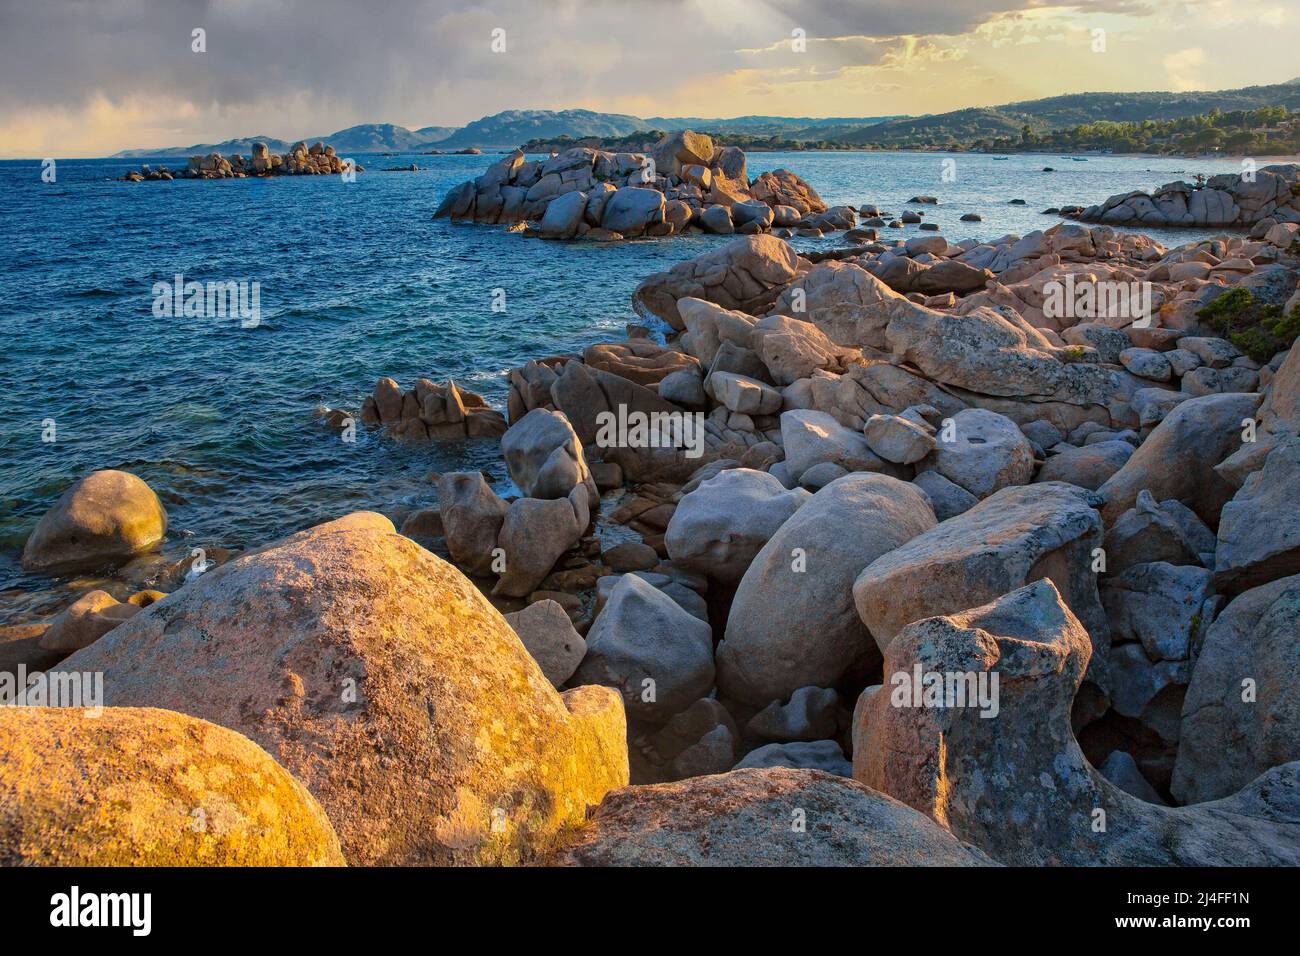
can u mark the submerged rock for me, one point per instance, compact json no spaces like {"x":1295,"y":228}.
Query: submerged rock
{"x":85,"y":621}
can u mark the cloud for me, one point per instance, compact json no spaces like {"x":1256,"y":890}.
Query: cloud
{"x":1183,"y":68}
{"x":891,"y":18}
{"x":89,"y":76}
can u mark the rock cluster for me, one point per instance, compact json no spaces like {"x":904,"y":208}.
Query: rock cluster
{"x":1259,"y":197}
{"x":430,"y":411}
{"x":381,"y":679}
{"x":685,"y":184}
{"x":301,"y":160}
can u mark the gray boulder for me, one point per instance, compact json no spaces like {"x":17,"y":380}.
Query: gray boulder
{"x":810,"y":714}
{"x":811,"y":437}
{"x":1009,"y":539}
{"x":982,"y":451}
{"x":1241,"y":715}
{"x":550,"y":638}
{"x":897,"y":439}
{"x":1169,"y":531}
{"x":947,"y":499}
{"x":824,"y":755}
{"x":472,"y":515}
{"x":644,"y":645}
{"x":544,"y":456}
{"x":1259,"y":530}
{"x":535,"y":533}
{"x":792,"y":623}
{"x":1197,"y":435}
{"x":719,"y":527}
{"x":1088,"y":467}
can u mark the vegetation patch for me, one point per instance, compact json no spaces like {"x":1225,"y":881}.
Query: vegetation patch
{"x":1260,"y":329}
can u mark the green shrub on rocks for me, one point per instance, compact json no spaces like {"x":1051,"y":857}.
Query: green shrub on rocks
{"x":1260,"y":329}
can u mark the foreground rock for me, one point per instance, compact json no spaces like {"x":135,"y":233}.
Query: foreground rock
{"x":385,"y":682}
{"x":974,"y":773}
{"x":144,"y":787}
{"x":105,"y":518}
{"x":775,"y":817}
{"x":793,"y":622}
{"x":1009,"y":539}
{"x":1241,"y":715}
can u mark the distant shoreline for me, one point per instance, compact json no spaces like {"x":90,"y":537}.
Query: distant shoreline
{"x":491,"y":150}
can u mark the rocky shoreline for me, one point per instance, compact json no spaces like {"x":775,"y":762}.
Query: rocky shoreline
{"x":1053,"y":472}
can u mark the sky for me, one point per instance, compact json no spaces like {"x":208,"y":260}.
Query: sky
{"x":91,"y":77}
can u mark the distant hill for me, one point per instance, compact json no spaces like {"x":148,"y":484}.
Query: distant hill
{"x":512,"y":128}
{"x":376,"y":138}
{"x":508,"y":129}
{"x":367,"y":138}
{"x":1063,"y":112}
{"x":786,"y":127}
{"x":244,"y":145}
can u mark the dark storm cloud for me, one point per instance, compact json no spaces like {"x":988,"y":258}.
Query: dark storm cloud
{"x":372,"y":56}
{"x":891,"y":18}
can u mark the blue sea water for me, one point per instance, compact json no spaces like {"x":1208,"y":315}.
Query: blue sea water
{"x":357,"y":282}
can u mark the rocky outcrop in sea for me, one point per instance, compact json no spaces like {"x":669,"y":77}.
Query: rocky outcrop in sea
{"x":1258,"y":199}
{"x":301,"y":160}
{"x":685,"y":184}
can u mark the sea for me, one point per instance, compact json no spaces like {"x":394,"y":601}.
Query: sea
{"x":356,"y":281}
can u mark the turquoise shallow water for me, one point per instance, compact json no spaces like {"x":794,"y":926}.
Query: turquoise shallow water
{"x":357,"y":281}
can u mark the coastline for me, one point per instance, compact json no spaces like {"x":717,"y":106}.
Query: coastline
{"x":883,"y":445}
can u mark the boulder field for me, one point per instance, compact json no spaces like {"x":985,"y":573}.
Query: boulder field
{"x":914,"y":555}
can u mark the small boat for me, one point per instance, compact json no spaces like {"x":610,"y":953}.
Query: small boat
{"x":1001,"y":157}
{"x":1079,"y":159}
